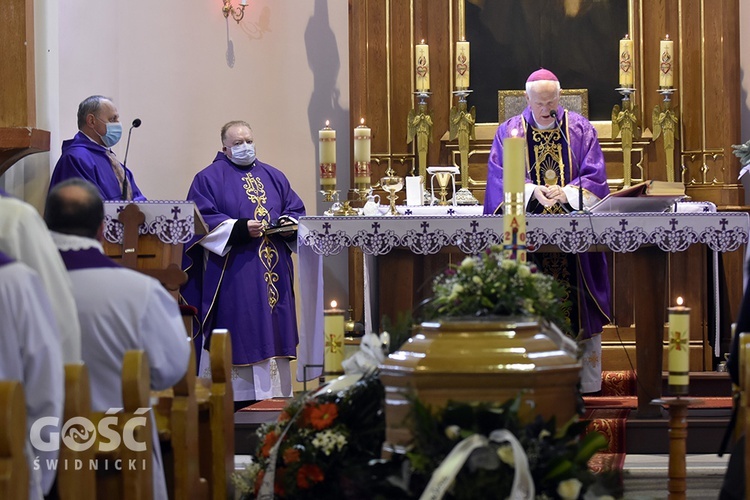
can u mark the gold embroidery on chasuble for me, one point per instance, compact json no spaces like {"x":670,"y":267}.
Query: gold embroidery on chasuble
{"x":547,"y":162}
{"x":267,"y":252}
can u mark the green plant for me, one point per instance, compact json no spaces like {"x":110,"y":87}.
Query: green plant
{"x":488,"y":285}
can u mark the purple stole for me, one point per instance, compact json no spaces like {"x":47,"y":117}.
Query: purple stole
{"x":90,"y":258}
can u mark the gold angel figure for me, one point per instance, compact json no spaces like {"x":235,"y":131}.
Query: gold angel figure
{"x":419,"y":125}
{"x":462,"y":126}
{"x":625,"y":120}
{"x":665,"y":120}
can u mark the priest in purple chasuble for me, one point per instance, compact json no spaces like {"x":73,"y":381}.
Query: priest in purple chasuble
{"x":239,"y":277}
{"x":564,"y":158}
{"x":88,"y":155}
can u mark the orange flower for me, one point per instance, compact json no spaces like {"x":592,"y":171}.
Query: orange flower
{"x":268,"y":443}
{"x":309,"y":474}
{"x":284,"y":417}
{"x":291,"y":455}
{"x":322,"y":416}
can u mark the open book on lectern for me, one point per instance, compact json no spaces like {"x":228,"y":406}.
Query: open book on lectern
{"x":646,"y":196}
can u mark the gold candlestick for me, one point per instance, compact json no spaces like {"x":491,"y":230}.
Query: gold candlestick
{"x":419,"y":125}
{"x":625,"y":123}
{"x":462,"y":127}
{"x":362,"y":182}
{"x":665,"y":122}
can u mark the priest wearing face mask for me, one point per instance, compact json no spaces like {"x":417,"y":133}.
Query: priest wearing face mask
{"x":89,"y":155}
{"x":239,"y":277}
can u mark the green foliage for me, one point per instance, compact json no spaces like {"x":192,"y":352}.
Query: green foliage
{"x":489,"y":285}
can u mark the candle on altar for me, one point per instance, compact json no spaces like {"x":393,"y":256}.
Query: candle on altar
{"x":327,"y":155}
{"x":514,"y":215}
{"x":626,"y":62}
{"x":666,"y":63}
{"x":362,"y":135}
{"x":422,"y":54}
{"x":333,"y":331}
{"x":514,"y":163}
{"x":462,"y":64}
{"x":679,"y":349}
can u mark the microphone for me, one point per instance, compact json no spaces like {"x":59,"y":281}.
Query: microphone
{"x":136,"y":123}
{"x":553,"y":114}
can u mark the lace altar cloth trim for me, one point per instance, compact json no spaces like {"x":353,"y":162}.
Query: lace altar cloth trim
{"x":572,"y":233}
{"x":170,"y":221}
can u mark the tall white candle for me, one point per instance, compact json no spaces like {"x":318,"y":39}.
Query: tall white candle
{"x":422,"y":54}
{"x":362,"y":135}
{"x":679,"y":349}
{"x":514,"y":163}
{"x":327,"y":155}
{"x":666,"y":63}
{"x":462,"y":65}
{"x":626,"y":62}
{"x":333,"y":329}
{"x":514,"y":178}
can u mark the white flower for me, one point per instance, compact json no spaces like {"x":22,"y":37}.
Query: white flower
{"x":544,"y":434}
{"x":477,"y":280}
{"x":524,"y":271}
{"x":569,"y":489}
{"x":505,"y":452}
{"x":329,"y":440}
{"x":457,"y":289}
{"x":507,"y":264}
{"x":453,"y":432}
{"x":468,"y":263}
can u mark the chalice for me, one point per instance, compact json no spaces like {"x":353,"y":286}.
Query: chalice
{"x":443,"y":176}
{"x":392,"y":184}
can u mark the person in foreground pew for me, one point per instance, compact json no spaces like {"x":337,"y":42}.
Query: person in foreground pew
{"x":239,"y":277}
{"x":733,"y":487}
{"x":30,"y":352}
{"x":564,"y":158}
{"x":89,"y":155}
{"x":119,"y":309}
{"x":25,"y":238}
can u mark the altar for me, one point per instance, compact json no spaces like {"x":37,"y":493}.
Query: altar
{"x":649,"y":237}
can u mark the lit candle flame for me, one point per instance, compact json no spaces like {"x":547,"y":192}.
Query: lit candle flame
{"x":679,"y":301}
{"x":334,"y":304}
{"x":326,"y":123}
{"x":361,"y":121}
{"x":514,"y":132}
{"x":422,"y":41}
{"x":666,"y":37}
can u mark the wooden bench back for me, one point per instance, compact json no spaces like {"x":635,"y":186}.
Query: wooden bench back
{"x":14,"y":469}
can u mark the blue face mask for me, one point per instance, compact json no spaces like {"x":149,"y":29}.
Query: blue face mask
{"x":114,"y":132}
{"x":243,"y":154}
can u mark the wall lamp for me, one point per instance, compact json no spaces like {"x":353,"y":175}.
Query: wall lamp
{"x":238,"y":13}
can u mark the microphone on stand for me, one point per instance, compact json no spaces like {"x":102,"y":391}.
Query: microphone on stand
{"x":136,"y":123}
{"x":553,"y":114}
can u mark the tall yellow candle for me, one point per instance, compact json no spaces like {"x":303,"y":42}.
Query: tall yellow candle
{"x":666,"y":63}
{"x":333,"y":331}
{"x":422,"y":55}
{"x":462,"y":65}
{"x":514,"y":163}
{"x":514,"y":215}
{"x":327,"y":155}
{"x":626,"y":62}
{"x":679,"y":349}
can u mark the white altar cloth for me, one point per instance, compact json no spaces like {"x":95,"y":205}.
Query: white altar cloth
{"x":426,"y":234}
{"x":172,"y":221}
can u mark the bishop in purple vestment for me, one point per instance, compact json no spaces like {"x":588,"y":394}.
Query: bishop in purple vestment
{"x":565,"y":166}
{"x":88,"y":154}
{"x":241,"y":278}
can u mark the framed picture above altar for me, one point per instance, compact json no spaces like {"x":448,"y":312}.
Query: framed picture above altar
{"x":577,"y":39}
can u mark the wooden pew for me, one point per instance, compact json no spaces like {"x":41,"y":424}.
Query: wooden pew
{"x":216,"y":420}
{"x":14,"y":469}
{"x":72,"y":483}
{"x":177,"y":422}
{"x":128,"y":483}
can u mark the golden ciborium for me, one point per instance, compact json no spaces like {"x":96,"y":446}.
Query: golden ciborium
{"x":444,"y":176}
{"x":393,"y":184}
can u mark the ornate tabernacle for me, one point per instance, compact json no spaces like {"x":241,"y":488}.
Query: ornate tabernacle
{"x":149,"y":236}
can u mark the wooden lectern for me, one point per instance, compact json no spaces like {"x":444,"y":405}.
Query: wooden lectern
{"x":149,"y":236}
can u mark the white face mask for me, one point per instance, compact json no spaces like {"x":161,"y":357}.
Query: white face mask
{"x":243,"y":154}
